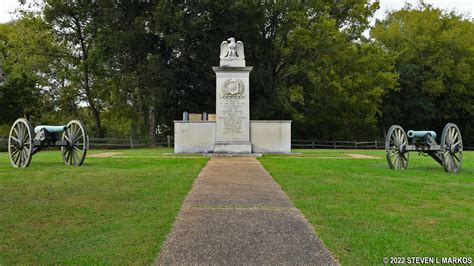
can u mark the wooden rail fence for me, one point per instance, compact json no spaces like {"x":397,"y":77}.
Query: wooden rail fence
{"x":337,"y":144}
{"x":124,"y":143}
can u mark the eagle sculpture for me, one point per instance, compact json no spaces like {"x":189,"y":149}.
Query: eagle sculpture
{"x":232,"y":50}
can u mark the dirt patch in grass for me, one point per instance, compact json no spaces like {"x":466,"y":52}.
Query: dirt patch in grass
{"x":104,"y":154}
{"x":361,"y":156}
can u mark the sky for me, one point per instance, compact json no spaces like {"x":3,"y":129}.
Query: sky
{"x":462,"y":6}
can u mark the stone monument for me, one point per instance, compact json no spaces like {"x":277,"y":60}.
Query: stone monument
{"x":233,"y":132}
{"x":232,"y":100}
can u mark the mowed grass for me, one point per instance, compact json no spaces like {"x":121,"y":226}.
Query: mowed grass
{"x":363,"y":211}
{"x":108,"y":211}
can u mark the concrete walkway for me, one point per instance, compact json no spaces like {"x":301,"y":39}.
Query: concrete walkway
{"x":236,"y":214}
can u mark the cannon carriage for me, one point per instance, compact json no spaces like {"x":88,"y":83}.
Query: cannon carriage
{"x":24,"y":142}
{"x":449,"y":153}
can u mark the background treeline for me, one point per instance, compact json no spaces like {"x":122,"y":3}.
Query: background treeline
{"x":129,"y":68}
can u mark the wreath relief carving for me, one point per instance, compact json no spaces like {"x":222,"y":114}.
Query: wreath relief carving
{"x":233,"y":88}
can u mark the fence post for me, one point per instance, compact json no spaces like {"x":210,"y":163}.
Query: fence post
{"x":131,"y":142}
{"x":334,"y":144}
{"x":376,"y":145}
{"x":168,"y":138}
{"x":355,"y":145}
{"x":312,"y":144}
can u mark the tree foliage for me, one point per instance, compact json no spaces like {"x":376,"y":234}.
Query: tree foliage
{"x":434,"y":57}
{"x":132,"y":67}
{"x":26,"y":49}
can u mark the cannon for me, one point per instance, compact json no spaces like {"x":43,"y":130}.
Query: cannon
{"x":449,"y":153}
{"x":24,"y":142}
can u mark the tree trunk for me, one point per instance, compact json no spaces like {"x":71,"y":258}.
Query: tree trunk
{"x":87,"y":78}
{"x":152,"y":125}
{"x":98,"y":126}
{"x":92,"y":106}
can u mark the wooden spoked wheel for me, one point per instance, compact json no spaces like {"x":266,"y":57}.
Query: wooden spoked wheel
{"x":395,"y":144}
{"x":77,"y":140}
{"x":20,"y":143}
{"x":451,"y":148}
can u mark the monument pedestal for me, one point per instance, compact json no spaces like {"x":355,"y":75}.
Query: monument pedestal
{"x":232,"y":110}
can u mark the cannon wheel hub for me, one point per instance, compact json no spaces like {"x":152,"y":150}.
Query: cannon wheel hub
{"x":401,"y":149}
{"x":453,"y":149}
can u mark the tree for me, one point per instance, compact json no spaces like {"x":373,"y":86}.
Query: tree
{"x":133,"y":62}
{"x":434,"y":58}
{"x":74,"y":25}
{"x":296,"y":48}
{"x":25,"y":49}
{"x":333,"y":86}
{"x":138,"y":65}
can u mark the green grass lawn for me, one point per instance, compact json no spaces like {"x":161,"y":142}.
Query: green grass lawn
{"x":108,"y":211}
{"x":119,"y":210}
{"x":363,"y":211}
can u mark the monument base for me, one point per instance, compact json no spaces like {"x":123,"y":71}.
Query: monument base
{"x":199,"y":136}
{"x":232,"y":154}
{"x":232,"y":147}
